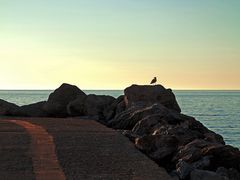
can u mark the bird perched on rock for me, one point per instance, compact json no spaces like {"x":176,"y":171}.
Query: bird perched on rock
{"x":154,"y":81}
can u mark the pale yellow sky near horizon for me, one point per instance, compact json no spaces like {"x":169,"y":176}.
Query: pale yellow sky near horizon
{"x":111,"y":45}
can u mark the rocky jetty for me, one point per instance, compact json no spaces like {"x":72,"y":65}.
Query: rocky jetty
{"x":151,"y":118}
{"x":66,"y":101}
{"x":187,"y":149}
{"x":57,"y":102}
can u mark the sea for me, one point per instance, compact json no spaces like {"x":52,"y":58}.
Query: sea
{"x":216,"y":109}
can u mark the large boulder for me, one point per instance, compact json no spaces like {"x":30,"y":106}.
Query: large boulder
{"x":159,"y":148}
{"x":148,"y":95}
{"x":76,"y":107}
{"x":115,"y":108}
{"x":225,"y":156}
{"x":94,"y":105}
{"x":33,"y":110}
{"x":57,"y":102}
{"x":152,"y":123}
{"x":184,"y":128}
{"x":8,"y":109}
{"x":130,"y":117}
{"x":91,"y":105}
{"x":231,"y":173}
{"x":206,"y":175}
{"x":192,"y":151}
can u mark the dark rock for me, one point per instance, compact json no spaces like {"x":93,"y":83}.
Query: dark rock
{"x":76,"y":107}
{"x":94,"y":105}
{"x":206,"y":175}
{"x":184,"y":169}
{"x":57,"y":102}
{"x":213,"y":137}
{"x":147,"y":95}
{"x":195,"y":125}
{"x":174,"y":175}
{"x":33,"y":110}
{"x":231,"y":173}
{"x":192,"y":151}
{"x":130,"y":135}
{"x":120,"y":107}
{"x":8,"y":109}
{"x":223,"y":156}
{"x":202,"y":163}
{"x":184,"y":135}
{"x":115,"y":108}
{"x":222,"y":171}
{"x":129,"y":118}
{"x":151,"y":123}
{"x":148,"y":124}
{"x":159,"y":148}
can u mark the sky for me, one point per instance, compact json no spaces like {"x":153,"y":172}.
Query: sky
{"x":111,"y":44}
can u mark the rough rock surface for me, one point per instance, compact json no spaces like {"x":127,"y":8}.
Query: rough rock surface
{"x":159,"y":148}
{"x":94,"y":105}
{"x":148,"y":95}
{"x":76,"y":107}
{"x":91,"y":105}
{"x":178,"y":142}
{"x":115,"y":108}
{"x":57,"y":102}
{"x":33,"y":110}
{"x":129,"y":118}
{"x":206,"y":175}
{"x":7,"y":108}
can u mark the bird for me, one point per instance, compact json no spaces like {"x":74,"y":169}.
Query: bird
{"x":154,"y":80}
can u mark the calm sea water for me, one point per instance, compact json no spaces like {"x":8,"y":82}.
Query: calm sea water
{"x":218,"y":110}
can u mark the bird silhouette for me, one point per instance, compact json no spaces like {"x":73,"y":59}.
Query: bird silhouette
{"x":154,"y":81}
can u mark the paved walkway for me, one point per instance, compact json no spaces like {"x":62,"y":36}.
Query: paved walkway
{"x":74,"y":149}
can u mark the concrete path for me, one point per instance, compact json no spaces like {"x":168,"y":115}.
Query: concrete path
{"x":44,"y":159}
{"x":71,"y":149}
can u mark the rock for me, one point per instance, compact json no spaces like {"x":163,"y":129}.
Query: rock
{"x":147,"y":125}
{"x":129,"y":118}
{"x":233,"y":174}
{"x":94,"y":105}
{"x":192,"y":124}
{"x":213,"y":137}
{"x":91,"y":105}
{"x":174,"y":175}
{"x":8,"y":109}
{"x":184,"y":169}
{"x":152,"y":122}
{"x":222,"y":171}
{"x":76,"y":107}
{"x":183,"y":134}
{"x":130,"y":135}
{"x":115,"y":108}
{"x":223,"y":156}
{"x":159,"y":148}
{"x":57,"y":102}
{"x":33,"y":110}
{"x":147,"y":95}
{"x":192,"y":151}
{"x":120,"y":107}
{"x":206,"y":175}
{"x":202,"y":163}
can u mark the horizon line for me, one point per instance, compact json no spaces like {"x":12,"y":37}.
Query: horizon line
{"x":187,"y":89}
